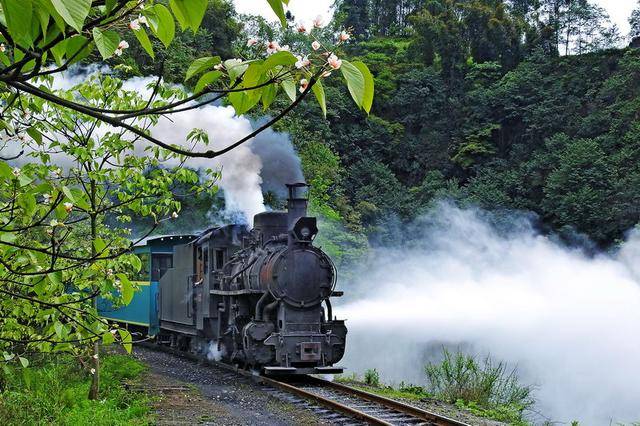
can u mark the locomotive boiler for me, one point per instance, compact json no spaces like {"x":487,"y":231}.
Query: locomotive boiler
{"x":258,"y":298}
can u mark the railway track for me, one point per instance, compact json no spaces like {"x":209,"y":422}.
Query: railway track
{"x":338,"y":403}
{"x":357,"y":404}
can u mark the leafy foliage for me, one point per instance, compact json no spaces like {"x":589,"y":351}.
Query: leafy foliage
{"x":53,"y":391}
{"x":476,"y":105}
{"x":464,"y":380}
{"x":58,"y":250}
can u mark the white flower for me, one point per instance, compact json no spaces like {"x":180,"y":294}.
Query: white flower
{"x":93,"y":371}
{"x":53,"y":223}
{"x":218,"y":66}
{"x":16,"y":171}
{"x":117,"y":285}
{"x":284,"y":48}
{"x":68,"y":207}
{"x":121,"y":46}
{"x":143,"y":20}
{"x":251,"y":42}
{"x":304,"y":83}
{"x":326,"y":74}
{"x":3,"y":48}
{"x":317,"y":22}
{"x":95,"y":356}
{"x":109,"y":272}
{"x":272,"y":47}
{"x":315,"y":45}
{"x":302,"y":62}
{"x":114,"y":331}
{"x":134,"y":25}
{"x":344,"y":36}
{"x":174,"y":215}
{"x":301,"y":28}
{"x":334,"y":62}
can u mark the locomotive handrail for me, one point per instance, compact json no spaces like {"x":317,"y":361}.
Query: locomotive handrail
{"x":189,"y":296}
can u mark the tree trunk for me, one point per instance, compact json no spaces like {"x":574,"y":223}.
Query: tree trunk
{"x":94,"y":390}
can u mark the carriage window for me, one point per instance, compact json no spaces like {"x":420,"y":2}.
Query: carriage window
{"x":143,"y":274}
{"x":219,"y":258}
{"x":159,"y":265}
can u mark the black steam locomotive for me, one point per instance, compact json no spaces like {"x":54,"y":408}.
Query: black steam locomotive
{"x":258,"y":298}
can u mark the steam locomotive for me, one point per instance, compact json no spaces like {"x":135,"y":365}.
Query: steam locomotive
{"x":260,"y":298}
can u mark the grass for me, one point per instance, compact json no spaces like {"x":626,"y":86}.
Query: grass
{"x":54,"y":392}
{"x":484,"y":388}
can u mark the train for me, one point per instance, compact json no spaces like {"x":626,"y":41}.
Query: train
{"x":258,"y":298}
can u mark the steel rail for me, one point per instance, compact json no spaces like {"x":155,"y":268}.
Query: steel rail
{"x":329,"y":403}
{"x":436,"y":419}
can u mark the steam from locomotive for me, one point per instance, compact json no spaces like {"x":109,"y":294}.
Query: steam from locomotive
{"x":259,"y":298}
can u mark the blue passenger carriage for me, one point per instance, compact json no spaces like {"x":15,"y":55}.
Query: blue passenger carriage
{"x":156,"y":254}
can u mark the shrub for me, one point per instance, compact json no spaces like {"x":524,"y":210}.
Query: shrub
{"x":55,"y":392}
{"x":372,"y":377}
{"x":461,"y":377}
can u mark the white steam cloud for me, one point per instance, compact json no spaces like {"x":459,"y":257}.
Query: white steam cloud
{"x":213,"y":353}
{"x":269,"y":156}
{"x":568,"y":321}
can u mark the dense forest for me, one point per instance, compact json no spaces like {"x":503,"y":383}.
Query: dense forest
{"x":527,"y":105}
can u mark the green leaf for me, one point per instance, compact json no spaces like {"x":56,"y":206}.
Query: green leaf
{"x":355,"y":81}
{"x":201,"y":64}
{"x":290,"y":89}
{"x":107,"y":338}
{"x":59,"y":328}
{"x":367,"y":99}
{"x":99,"y":245}
{"x":55,"y":278}
{"x":74,"y":44}
{"x":279,"y":58}
{"x":125,"y":337}
{"x":106,"y":41}
{"x":24,"y":362}
{"x":189,"y":13}
{"x":127,"y":288}
{"x":8,"y":237}
{"x":17,"y":14}
{"x":278,"y":9}
{"x":28,"y":203}
{"x":43,"y":16}
{"x":59,"y":51}
{"x":74,"y":12}
{"x":269,"y":94}
{"x":136,"y":263}
{"x":144,"y":41}
{"x":318,"y":90}
{"x":35,"y":134}
{"x":67,"y":192}
{"x":244,"y":101}
{"x":5,"y":170}
{"x":206,"y":79}
{"x":166,"y":28}
{"x":235,"y":68}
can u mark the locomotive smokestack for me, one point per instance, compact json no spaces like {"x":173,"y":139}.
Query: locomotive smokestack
{"x":297,"y":202}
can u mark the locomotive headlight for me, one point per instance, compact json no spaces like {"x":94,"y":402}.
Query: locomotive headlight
{"x":305,"y":229}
